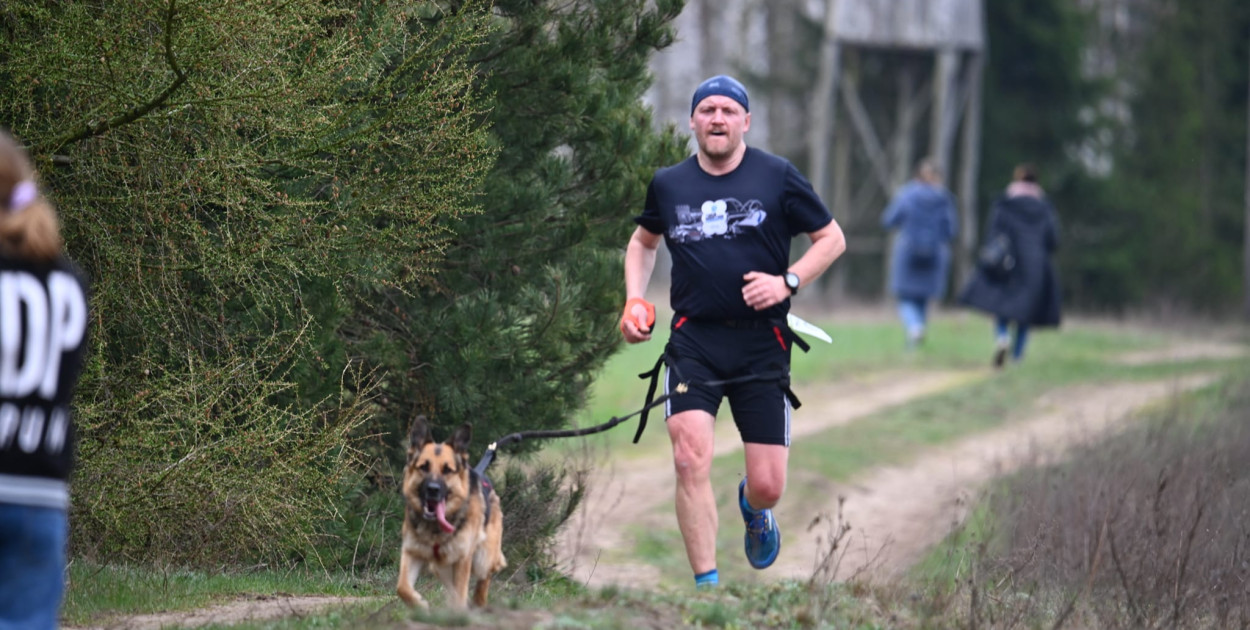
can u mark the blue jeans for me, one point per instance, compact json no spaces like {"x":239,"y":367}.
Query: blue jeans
{"x":913,"y":313}
{"x":1021,"y":340}
{"x":32,"y":566}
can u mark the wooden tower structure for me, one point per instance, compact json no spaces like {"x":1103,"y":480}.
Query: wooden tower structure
{"x":864,"y":143}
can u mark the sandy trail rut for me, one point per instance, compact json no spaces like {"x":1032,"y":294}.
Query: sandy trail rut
{"x":252,"y":609}
{"x":896,"y":513}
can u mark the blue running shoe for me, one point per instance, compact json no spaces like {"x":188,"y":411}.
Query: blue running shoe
{"x":763,"y":537}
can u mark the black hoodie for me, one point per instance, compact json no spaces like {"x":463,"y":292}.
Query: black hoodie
{"x":43,"y":338}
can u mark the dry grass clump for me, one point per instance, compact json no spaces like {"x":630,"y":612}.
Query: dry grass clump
{"x":1146,"y":530}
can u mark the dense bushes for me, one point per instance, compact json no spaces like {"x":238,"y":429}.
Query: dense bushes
{"x":233,"y":177}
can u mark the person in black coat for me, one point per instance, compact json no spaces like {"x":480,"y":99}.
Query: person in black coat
{"x":1016,"y":281}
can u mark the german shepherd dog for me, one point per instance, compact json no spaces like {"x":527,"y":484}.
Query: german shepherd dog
{"x":452,"y":520}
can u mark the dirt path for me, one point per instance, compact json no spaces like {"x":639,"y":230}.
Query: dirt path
{"x":623,"y":492}
{"x":252,"y":609}
{"x":260,"y":609}
{"x":895,"y":513}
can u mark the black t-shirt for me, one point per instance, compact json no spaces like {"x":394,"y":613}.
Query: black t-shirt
{"x":43,"y":339}
{"x":719,"y":227}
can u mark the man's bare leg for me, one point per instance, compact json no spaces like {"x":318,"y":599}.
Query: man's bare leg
{"x":757,"y":494}
{"x":692,"y":438}
{"x":766,"y":473}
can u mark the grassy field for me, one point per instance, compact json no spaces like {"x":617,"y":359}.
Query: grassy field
{"x":1079,"y":354}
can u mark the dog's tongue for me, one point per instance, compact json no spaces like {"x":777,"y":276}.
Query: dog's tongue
{"x":440,"y":513}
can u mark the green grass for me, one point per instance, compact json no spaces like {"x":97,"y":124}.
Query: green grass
{"x":786,"y":604}
{"x":95,"y":589}
{"x":364,"y":614}
{"x":783,"y":605}
{"x":949,"y":562}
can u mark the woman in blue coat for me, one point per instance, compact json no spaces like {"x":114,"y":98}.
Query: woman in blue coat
{"x":923,"y":212}
{"x":1026,"y":295}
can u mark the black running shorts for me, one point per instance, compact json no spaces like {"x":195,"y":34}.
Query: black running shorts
{"x":703,"y":351}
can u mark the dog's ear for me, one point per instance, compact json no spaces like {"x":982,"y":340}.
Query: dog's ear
{"x":418,"y":436}
{"x":460,"y":439}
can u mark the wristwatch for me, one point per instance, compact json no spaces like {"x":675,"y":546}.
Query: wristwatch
{"x":792,"y":281}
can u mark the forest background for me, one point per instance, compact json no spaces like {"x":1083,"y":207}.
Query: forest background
{"x":307,"y":221}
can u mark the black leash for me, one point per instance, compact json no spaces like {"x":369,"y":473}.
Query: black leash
{"x":489,"y":455}
{"x":782,"y":377}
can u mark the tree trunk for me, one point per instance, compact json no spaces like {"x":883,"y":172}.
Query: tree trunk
{"x":712,"y":49}
{"x":788,"y":104}
{"x":969,"y":224}
{"x":823,"y":118}
{"x":824,"y":104}
{"x":1245,"y":246}
{"x":945,"y":73}
{"x":903,"y":146}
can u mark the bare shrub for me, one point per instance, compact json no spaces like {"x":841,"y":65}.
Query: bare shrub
{"x":245,"y":482}
{"x":832,"y":545}
{"x":832,"y":550}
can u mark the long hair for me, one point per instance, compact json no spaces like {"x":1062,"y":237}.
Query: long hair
{"x":31,"y":231}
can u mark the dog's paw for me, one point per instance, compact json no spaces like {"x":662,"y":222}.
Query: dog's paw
{"x":413,"y":599}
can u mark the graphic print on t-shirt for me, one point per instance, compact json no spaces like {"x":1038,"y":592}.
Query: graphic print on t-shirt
{"x":725,"y":218}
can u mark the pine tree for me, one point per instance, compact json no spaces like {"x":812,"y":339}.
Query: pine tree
{"x":1178,"y":188}
{"x":1036,"y":94}
{"x":1042,"y":106}
{"x":524,"y":312}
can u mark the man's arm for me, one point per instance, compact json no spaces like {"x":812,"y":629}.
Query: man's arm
{"x":764,"y":290}
{"x":639,"y":263}
{"x":828,"y":243}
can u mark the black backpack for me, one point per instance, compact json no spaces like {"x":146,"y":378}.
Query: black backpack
{"x":923,"y":246}
{"x":997,"y":257}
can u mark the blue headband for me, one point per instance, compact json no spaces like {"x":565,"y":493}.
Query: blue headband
{"x":720,"y":85}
